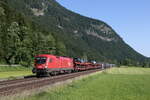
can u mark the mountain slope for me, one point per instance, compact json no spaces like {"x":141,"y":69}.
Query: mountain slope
{"x":74,"y":35}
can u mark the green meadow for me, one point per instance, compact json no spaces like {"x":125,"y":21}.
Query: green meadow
{"x":113,"y":84}
{"x":13,"y":72}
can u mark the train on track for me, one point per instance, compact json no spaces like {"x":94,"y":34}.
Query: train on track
{"x":46,"y":65}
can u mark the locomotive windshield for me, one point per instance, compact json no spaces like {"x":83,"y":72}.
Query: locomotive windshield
{"x":40,"y":60}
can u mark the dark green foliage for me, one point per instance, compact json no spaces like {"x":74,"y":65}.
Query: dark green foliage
{"x":31,"y":27}
{"x":20,"y":39}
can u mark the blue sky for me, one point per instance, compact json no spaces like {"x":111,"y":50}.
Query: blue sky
{"x":129,"y":18}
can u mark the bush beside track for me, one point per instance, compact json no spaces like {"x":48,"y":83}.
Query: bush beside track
{"x":114,"y":84}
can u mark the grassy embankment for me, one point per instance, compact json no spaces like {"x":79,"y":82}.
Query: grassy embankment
{"x":12,"y":72}
{"x":114,"y":84}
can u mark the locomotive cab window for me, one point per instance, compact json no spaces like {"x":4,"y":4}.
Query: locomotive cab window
{"x":40,"y":60}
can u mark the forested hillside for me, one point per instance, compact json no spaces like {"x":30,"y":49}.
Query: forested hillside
{"x":30,"y":27}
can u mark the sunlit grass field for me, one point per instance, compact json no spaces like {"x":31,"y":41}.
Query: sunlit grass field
{"x":12,"y":72}
{"x":130,"y":71}
{"x":113,"y":84}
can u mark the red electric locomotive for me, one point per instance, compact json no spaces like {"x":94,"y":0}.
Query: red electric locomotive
{"x":50,"y":64}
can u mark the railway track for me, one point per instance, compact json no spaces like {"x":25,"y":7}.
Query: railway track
{"x":7,"y":82}
{"x":16,"y":86}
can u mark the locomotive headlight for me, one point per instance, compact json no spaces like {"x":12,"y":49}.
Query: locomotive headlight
{"x":46,"y":66}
